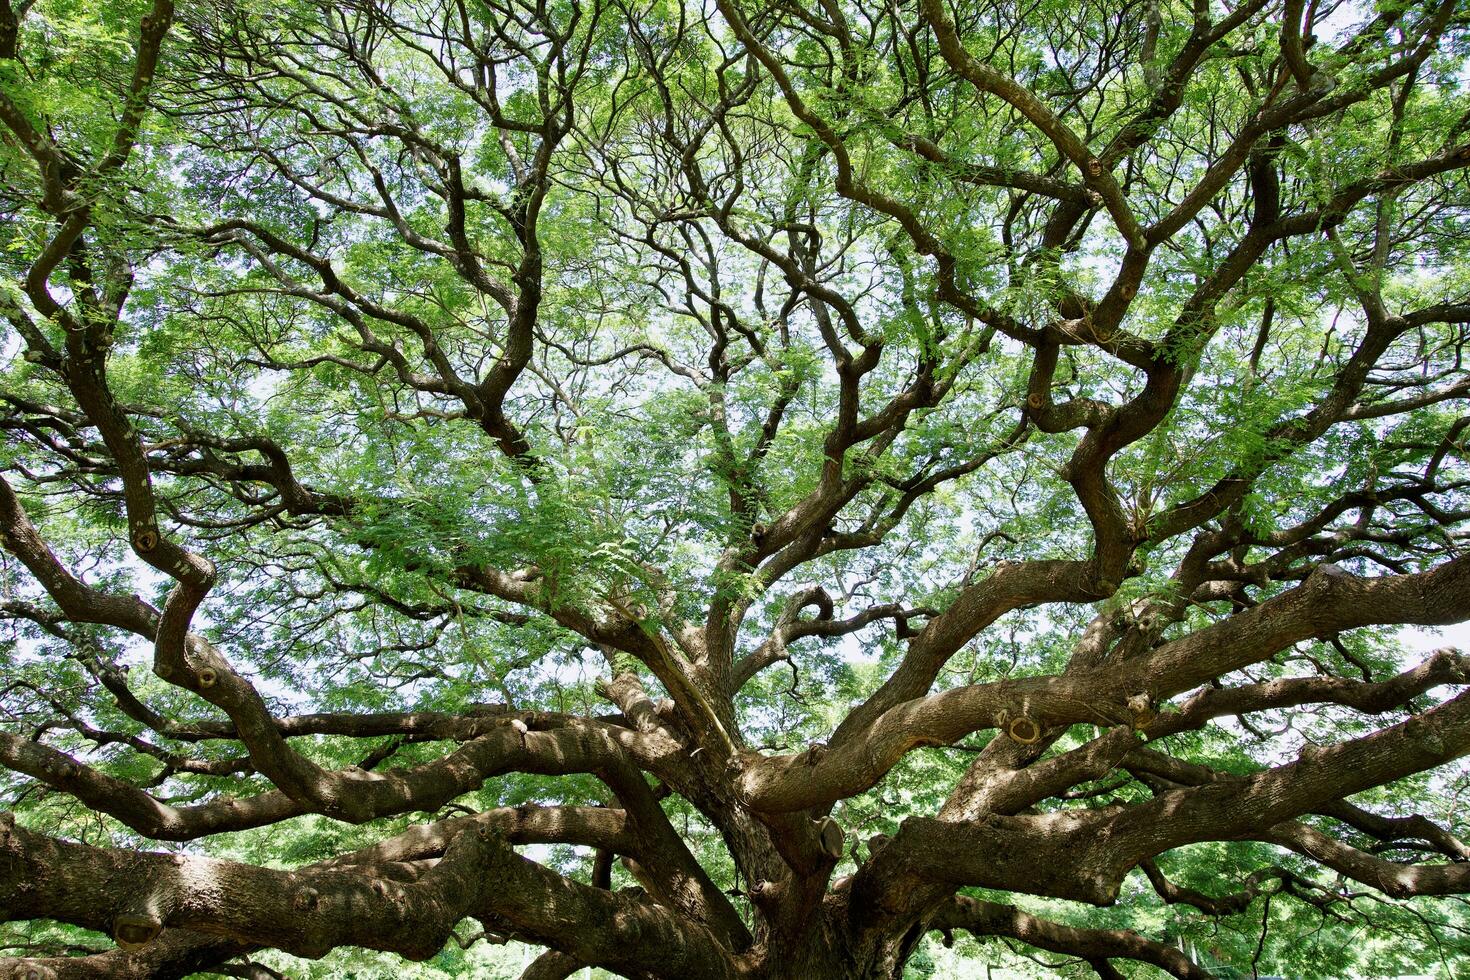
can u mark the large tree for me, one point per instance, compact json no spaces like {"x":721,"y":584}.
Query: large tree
{"x":823,"y":474}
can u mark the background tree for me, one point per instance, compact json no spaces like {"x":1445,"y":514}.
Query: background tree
{"x":825,"y":476}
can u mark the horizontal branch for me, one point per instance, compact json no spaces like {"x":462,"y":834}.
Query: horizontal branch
{"x":1389,"y":877}
{"x":1085,"y":854}
{"x":983,"y":918}
{"x":1443,"y":666}
{"x":409,"y":909}
{"x":175,"y":954}
{"x":1330,"y":601}
{"x":574,"y":748}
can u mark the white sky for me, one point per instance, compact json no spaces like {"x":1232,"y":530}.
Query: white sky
{"x":1426,"y":638}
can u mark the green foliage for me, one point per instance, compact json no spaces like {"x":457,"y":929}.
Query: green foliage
{"x":327,"y":254}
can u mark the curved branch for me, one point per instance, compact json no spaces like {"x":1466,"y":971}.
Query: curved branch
{"x":984,"y":918}
{"x":401,"y":908}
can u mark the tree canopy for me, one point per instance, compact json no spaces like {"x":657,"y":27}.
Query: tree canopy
{"x":732,"y":490}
